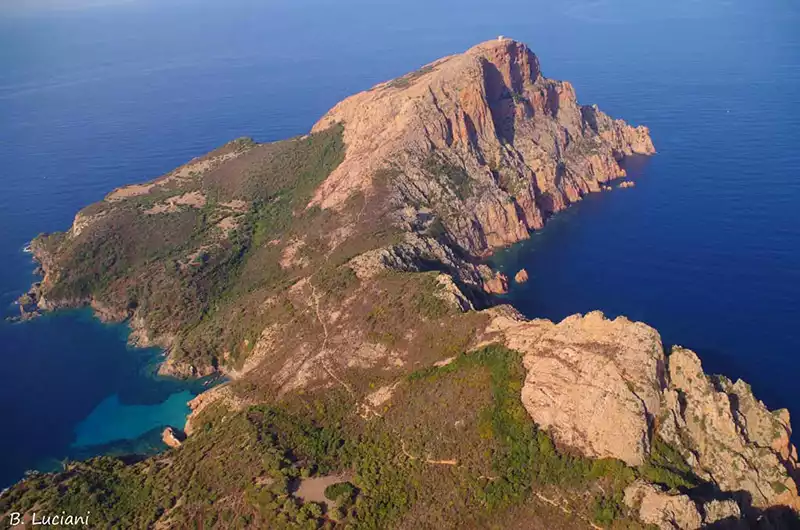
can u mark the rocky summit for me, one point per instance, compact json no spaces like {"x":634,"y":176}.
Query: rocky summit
{"x":336,"y":280}
{"x":506,"y":146}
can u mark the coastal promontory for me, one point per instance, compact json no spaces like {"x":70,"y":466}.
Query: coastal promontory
{"x":338,"y":280}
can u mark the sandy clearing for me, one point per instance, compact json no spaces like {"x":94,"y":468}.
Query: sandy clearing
{"x":227,"y":224}
{"x":130,"y":191}
{"x":289,"y":256}
{"x":195,"y":199}
{"x":162,"y":207}
{"x":313,"y":489}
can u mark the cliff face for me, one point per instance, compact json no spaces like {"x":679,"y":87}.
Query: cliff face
{"x":729,"y":436}
{"x":608,"y":389}
{"x":481,"y":142}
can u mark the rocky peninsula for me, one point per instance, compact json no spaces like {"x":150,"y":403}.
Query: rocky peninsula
{"x":337,"y":279}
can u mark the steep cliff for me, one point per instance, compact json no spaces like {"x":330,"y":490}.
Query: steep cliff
{"x":481,"y":142}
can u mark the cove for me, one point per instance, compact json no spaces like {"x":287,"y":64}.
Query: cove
{"x":72,"y":388}
{"x":112,"y":420}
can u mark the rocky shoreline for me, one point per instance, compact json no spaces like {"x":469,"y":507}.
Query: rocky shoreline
{"x":34,"y":303}
{"x":464,"y":156}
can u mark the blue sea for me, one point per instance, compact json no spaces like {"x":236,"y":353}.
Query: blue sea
{"x":95,"y":94}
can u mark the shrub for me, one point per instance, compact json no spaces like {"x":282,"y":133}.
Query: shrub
{"x":667,"y":466}
{"x":607,"y":509}
{"x":341,"y":492}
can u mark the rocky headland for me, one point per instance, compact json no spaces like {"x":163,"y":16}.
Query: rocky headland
{"x":341,"y":272}
{"x":608,"y":389}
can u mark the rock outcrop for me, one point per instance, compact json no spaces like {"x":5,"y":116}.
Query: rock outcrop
{"x":593,"y":383}
{"x":727,"y":435}
{"x":659,"y":508}
{"x":171,"y":437}
{"x":671,"y":511}
{"x":521,"y":276}
{"x":606,"y":388}
{"x":482,"y":142}
{"x":496,"y":284}
{"x":416,"y":253}
{"x":220,"y":394}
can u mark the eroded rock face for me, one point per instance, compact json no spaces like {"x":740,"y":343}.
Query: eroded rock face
{"x":496,"y":284}
{"x":727,"y":435}
{"x":481,"y":141}
{"x":602,"y":387}
{"x":521,"y":276}
{"x":726,"y":514}
{"x":415,"y":253}
{"x":675,"y":511}
{"x":594,"y":383}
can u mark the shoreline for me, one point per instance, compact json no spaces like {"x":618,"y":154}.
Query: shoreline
{"x":148,"y":361}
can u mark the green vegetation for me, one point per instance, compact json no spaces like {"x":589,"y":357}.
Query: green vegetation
{"x":280,"y":183}
{"x":454,"y":447}
{"x":406,"y":466}
{"x":414,"y":301}
{"x":607,"y":509}
{"x":778,"y":487}
{"x":177,"y":270}
{"x":406,"y":80}
{"x":342,"y":492}
{"x":336,"y":281}
{"x":523,"y":457}
{"x":518,"y":98}
{"x":452,"y":176}
{"x":666,"y":466}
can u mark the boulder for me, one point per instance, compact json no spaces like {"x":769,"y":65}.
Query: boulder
{"x":171,"y":437}
{"x":593,"y":383}
{"x":677,"y":511}
{"x":664,"y":510}
{"x":498,"y":284}
{"x":724,"y":514}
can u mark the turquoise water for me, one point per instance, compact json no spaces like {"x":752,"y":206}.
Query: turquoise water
{"x":706,"y":247}
{"x":72,"y":388}
{"x":112,"y":420}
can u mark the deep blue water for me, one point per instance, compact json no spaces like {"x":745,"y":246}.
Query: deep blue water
{"x":95,"y":94}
